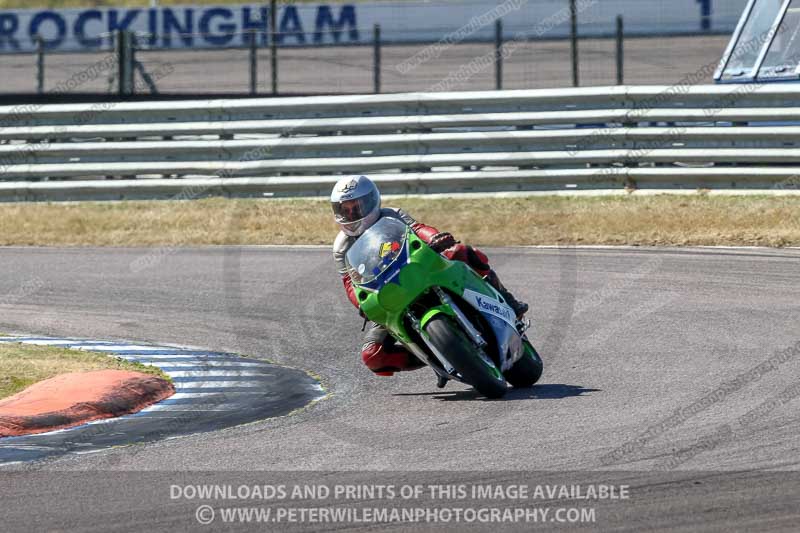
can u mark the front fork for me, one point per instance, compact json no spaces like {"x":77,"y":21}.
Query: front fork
{"x":449,"y":372}
{"x":462,"y":319}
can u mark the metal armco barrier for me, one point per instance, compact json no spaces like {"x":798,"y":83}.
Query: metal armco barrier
{"x":683,"y":137}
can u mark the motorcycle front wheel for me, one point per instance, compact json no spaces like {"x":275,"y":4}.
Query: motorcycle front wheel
{"x":527,"y":371}
{"x":448,"y":338}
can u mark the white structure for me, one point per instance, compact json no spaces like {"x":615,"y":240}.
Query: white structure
{"x":766,"y":44}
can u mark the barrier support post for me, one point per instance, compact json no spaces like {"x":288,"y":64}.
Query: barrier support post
{"x":120,"y":53}
{"x":132,"y":44}
{"x":573,"y":22}
{"x":273,"y":32}
{"x":376,"y":59}
{"x":620,"y":51}
{"x":253,"y":63}
{"x":124,"y":46}
{"x":39,"y":64}
{"x":498,"y":54}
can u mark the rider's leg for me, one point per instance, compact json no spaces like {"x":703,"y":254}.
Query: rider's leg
{"x":381,"y":353}
{"x":480,"y":263}
{"x":519,"y":307}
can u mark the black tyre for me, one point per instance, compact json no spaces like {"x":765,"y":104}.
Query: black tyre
{"x":462,"y":354}
{"x":527,"y":371}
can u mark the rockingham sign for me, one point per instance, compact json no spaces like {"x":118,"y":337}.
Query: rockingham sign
{"x":349,"y":23}
{"x":177,"y":27}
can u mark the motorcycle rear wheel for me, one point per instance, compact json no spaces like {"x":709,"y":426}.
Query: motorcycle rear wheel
{"x":462,"y":354}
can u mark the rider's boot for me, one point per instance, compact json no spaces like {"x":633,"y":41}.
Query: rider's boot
{"x":520,"y":308}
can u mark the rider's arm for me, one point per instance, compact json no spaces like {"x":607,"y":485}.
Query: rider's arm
{"x":348,"y":287}
{"x":340,"y":246}
{"x":436,"y":239}
{"x":444,"y":243}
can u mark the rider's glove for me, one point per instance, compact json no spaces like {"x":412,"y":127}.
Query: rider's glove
{"x":442,"y":241}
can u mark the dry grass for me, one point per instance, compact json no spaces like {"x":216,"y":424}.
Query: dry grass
{"x":22,"y":365}
{"x":643,"y":220}
{"x":649,"y":220}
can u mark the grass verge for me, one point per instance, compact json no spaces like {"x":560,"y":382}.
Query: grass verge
{"x":663,"y":220}
{"x":22,"y":365}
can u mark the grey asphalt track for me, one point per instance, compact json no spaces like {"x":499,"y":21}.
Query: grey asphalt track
{"x":630,"y":337}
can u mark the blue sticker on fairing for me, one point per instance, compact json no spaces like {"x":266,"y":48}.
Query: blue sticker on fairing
{"x":390,"y":274}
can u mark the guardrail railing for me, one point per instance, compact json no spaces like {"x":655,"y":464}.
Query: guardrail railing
{"x":690,"y":137}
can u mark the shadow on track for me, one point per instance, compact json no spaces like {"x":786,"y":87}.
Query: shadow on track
{"x":547,"y":391}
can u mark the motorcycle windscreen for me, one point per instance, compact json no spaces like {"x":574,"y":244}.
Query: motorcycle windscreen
{"x":375,"y":250}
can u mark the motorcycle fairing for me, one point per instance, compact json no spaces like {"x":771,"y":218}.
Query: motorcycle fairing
{"x":502,"y":320}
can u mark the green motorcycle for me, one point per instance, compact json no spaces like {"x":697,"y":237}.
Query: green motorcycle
{"x":441,"y":311}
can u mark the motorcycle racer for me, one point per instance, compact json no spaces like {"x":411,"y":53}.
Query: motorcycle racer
{"x":356,"y":204}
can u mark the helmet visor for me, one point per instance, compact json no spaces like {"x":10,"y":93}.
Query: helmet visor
{"x":348,"y":211}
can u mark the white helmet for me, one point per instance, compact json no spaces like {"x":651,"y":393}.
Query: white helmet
{"x":356,"y":204}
